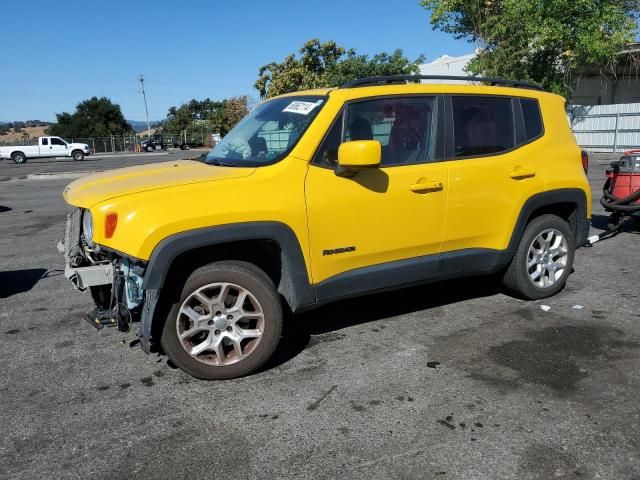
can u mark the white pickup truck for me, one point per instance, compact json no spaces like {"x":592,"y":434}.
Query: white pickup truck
{"x":46,"y":147}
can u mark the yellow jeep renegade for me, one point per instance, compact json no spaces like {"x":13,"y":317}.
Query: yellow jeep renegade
{"x":321,"y":195}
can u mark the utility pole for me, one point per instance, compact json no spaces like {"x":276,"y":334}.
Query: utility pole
{"x":146,"y":110}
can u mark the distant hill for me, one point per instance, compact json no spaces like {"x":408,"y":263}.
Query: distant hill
{"x":31,"y":132}
{"x":11,"y":135}
{"x":25,"y":123}
{"x":139,"y":126}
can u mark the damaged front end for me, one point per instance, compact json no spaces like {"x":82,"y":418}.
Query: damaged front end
{"x":114,"y":280}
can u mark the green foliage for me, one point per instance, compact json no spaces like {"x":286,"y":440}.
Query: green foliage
{"x":328,"y":65}
{"x":543,"y":41}
{"x":190,"y":116}
{"x":206,"y":116}
{"x":231,"y":111}
{"x":96,"y":117}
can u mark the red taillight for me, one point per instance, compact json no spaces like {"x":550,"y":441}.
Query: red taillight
{"x":110,"y":224}
{"x":585,"y":162}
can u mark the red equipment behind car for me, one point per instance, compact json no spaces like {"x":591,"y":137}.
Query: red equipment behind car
{"x":621,"y":192}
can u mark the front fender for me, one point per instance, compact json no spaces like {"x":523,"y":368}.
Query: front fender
{"x":294,"y":284}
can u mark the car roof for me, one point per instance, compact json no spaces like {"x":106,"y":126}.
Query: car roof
{"x":452,"y":86}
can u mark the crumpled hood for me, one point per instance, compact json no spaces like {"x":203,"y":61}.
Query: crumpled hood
{"x":87,"y":191}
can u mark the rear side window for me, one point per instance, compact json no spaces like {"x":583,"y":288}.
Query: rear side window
{"x":45,"y":141}
{"x":532,"y":119}
{"x":482,"y":125}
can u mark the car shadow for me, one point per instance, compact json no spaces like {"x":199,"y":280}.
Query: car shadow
{"x":629,"y":225}
{"x":19,"y":281}
{"x":299,"y":329}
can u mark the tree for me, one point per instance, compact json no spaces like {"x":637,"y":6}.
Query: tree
{"x":231,"y":111}
{"x":544,"y":41}
{"x":206,"y":116}
{"x":189,"y":115}
{"x":328,"y":65}
{"x":95,"y":117}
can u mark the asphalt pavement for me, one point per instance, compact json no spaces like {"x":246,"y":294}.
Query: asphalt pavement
{"x":99,"y":162}
{"x":447,"y":381}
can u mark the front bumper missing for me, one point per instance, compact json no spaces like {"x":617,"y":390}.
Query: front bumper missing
{"x":118,"y":293}
{"x":81,"y":276}
{"x":93,"y":276}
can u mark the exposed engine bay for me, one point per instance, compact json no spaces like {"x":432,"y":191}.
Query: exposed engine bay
{"x":114,"y":280}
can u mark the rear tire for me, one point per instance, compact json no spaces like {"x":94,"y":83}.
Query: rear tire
{"x":227,"y":322}
{"x":78,"y":155}
{"x":543,"y":260}
{"x":149,"y":148}
{"x":19,"y":157}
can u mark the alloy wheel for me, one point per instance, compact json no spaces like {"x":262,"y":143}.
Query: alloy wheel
{"x":220,"y":324}
{"x":547,"y":258}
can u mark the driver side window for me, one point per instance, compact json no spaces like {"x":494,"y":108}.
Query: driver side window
{"x":404,"y":126}
{"x":327,"y":155}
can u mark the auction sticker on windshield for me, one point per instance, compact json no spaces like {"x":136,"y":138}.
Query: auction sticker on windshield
{"x":303,"y":108}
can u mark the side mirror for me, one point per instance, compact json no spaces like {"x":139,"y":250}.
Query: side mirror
{"x":358,"y":155}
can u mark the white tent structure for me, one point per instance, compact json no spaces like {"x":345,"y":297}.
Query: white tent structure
{"x":447,"y":65}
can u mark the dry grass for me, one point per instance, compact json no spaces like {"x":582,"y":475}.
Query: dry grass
{"x":31,"y":131}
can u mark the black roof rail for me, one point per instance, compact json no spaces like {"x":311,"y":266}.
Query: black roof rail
{"x":395,"y":79}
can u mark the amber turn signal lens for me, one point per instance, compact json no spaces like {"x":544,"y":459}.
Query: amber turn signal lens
{"x":110,"y":224}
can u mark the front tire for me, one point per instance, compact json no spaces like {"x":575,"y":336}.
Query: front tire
{"x":227,"y":322}
{"x":149,"y":148}
{"x":19,"y":157}
{"x":78,"y":155}
{"x":543,"y":260}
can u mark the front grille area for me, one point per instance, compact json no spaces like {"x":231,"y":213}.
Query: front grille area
{"x":72,"y":242}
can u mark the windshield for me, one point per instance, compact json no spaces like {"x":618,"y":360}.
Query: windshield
{"x":268,"y":133}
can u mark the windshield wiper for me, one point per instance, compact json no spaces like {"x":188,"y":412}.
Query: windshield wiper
{"x":219,"y":163}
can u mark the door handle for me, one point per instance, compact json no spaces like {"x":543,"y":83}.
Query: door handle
{"x":425,"y":186}
{"x":520,"y":173}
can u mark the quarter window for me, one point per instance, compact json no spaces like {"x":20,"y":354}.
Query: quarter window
{"x":482,"y":125}
{"x":532,"y":119}
{"x":45,"y":141}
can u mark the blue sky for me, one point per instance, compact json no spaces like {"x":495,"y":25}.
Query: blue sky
{"x":56,"y":54}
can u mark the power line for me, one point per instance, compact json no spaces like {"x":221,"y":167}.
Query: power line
{"x":146,"y":110}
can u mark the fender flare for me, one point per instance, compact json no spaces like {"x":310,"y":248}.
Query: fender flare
{"x":294,"y":284}
{"x":291,"y":253}
{"x":579,"y":223}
